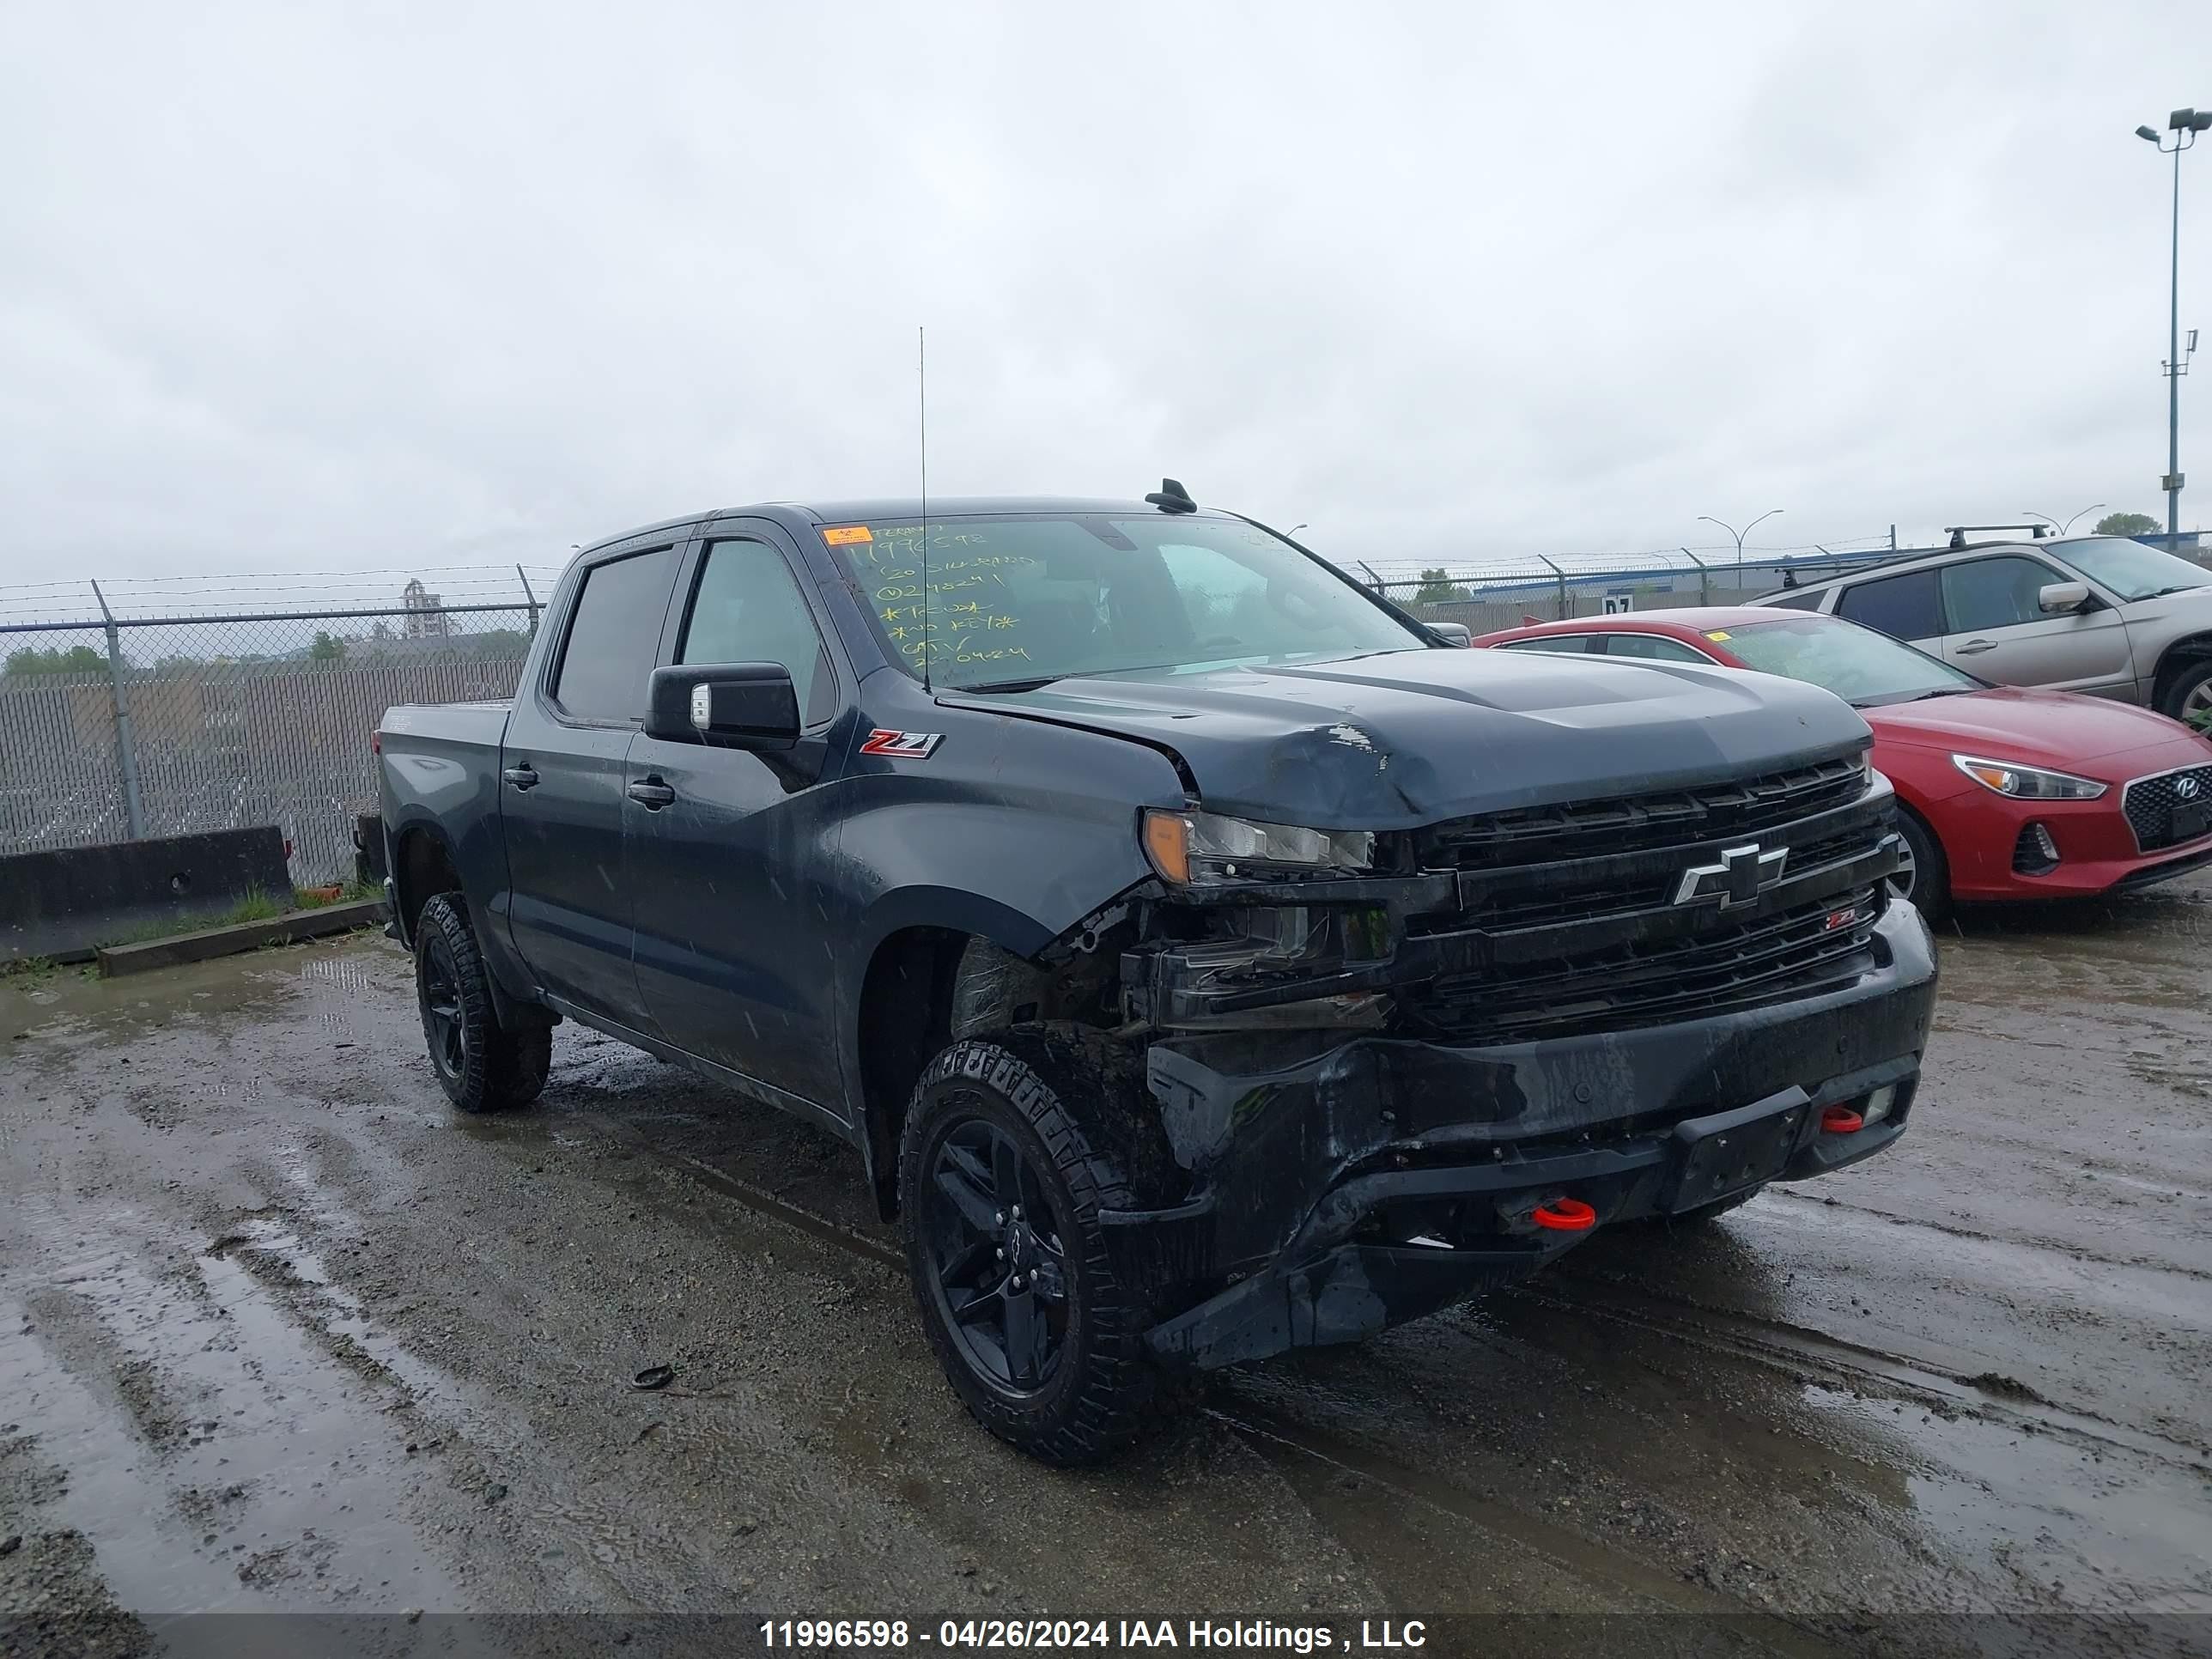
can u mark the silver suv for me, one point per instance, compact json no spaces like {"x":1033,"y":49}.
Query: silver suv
{"x":2099,"y":614}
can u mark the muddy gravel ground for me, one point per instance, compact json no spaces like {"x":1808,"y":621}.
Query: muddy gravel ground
{"x":281,"y":1333}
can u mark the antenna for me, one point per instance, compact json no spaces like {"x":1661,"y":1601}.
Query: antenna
{"x":921,"y":373}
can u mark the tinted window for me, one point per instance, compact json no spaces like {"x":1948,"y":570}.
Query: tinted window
{"x":1995,"y":593}
{"x":614,"y":637}
{"x":748,"y":608}
{"x":1653,"y":648}
{"x":1559,"y":644}
{"x":1902,"y":607}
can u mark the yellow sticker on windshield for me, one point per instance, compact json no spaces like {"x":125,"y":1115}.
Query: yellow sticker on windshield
{"x":846,"y":534}
{"x":1717,"y":634}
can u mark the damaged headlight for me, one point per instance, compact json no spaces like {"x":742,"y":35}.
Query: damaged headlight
{"x":1191,"y":849}
{"x":1270,"y":965}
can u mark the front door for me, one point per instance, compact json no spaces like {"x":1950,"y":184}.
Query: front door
{"x":563,"y":770}
{"x":725,"y":846}
{"x":1996,"y":628}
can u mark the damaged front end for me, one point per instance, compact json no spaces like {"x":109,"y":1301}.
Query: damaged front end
{"x":1397,"y":1071}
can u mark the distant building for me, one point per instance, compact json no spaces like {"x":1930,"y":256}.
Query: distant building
{"x":426,"y":618}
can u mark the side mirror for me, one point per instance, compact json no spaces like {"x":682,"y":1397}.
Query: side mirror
{"x":1451,"y":632}
{"x":744,"y":705}
{"x":2059,"y":598}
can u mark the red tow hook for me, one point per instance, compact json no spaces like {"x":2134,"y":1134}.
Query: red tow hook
{"x":1565,"y":1215}
{"x":1840,"y":1121}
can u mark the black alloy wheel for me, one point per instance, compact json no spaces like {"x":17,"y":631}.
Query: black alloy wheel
{"x":1004,"y":1174}
{"x":444,"y":1025}
{"x":1000,"y":1264}
{"x":481,"y":1063}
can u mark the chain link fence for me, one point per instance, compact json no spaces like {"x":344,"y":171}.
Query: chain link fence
{"x":116,"y":729}
{"x":1483,"y":605}
{"x":120,"y":727}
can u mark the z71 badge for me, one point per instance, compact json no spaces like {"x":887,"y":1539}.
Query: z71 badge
{"x":906,"y":745}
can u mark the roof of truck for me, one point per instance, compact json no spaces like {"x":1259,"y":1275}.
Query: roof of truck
{"x":882,"y":508}
{"x":877,"y":509}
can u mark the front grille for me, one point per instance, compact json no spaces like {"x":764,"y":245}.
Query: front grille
{"x":1625,"y":824}
{"x":1794,"y":952}
{"x":2170,"y":809}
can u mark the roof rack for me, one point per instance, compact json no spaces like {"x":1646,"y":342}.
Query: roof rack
{"x":1957,"y":532}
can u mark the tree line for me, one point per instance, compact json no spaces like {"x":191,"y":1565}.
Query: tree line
{"x":326,"y":650}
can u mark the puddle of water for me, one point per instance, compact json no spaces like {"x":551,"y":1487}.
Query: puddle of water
{"x":232,"y":1465}
{"x":2071,"y":1526}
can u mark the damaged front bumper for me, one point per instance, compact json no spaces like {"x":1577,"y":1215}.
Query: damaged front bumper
{"x":1346,"y":1183}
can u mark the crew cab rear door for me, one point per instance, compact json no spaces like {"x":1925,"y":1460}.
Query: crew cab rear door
{"x":563,"y":770}
{"x":726,"y":847}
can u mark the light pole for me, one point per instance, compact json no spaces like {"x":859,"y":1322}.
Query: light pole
{"x":2185,"y":124}
{"x":1707,"y":518}
{"x":1293,"y":530}
{"x":2069,"y":524}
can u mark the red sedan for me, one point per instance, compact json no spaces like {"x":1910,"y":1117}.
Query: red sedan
{"x":2006,"y":794}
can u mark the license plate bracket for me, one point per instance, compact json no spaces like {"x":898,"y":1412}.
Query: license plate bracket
{"x":1728,"y":1152}
{"x":2189,"y":820}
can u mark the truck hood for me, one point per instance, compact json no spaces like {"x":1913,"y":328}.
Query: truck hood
{"x":1407,"y":738}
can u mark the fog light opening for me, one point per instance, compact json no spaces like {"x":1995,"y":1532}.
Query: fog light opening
{"x":1840,"y":1121}
{"x":1878,"y":1103}
{"x":2035,"y":853}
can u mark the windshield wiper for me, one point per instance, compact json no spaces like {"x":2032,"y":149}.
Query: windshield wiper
{"x":2185,"y":588}
{"x":1890,"y":699}
{"x":1011,"y":685}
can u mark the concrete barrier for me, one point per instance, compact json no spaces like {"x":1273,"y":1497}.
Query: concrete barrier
{"x":61,"y":901}
{"x":238,"y":936}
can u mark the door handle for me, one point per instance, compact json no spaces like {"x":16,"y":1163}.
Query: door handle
{"x":650,"y":793}
{"x":1974,"y":647}
{"x":522,"y":777}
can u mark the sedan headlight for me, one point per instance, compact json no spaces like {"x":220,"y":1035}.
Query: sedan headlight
{"x":1196,"y":848}
{"x":2028,"y":782}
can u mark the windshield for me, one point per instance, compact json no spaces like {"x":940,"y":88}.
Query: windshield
{"x":1859,"y":666}
{"x":2130,"y":569}
{"x":1016,"y":600}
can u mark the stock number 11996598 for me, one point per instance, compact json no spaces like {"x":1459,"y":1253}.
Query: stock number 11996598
{"x":834,"y":1632}
{"x":952,"y":1633}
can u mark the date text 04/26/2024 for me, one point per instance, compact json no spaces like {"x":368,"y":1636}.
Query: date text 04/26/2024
{"x":1013,"y":1635}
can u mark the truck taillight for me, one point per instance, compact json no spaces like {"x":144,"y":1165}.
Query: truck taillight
{"x":376,"y":742}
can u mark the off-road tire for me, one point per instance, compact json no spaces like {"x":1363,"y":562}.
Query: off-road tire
{"x":1931,"y":870}
{"x":1105,"y":1392}
{"x":498,"y":1067}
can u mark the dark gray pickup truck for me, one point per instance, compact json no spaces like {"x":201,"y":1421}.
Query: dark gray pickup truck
{"x":1204,"y":959}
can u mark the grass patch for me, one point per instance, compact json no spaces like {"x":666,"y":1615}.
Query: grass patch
{"x":256,"y":906}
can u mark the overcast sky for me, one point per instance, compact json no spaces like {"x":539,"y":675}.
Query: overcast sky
{"x":288,"y":287}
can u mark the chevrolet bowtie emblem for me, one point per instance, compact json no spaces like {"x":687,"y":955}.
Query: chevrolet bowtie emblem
{"x":1742,"y":874}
